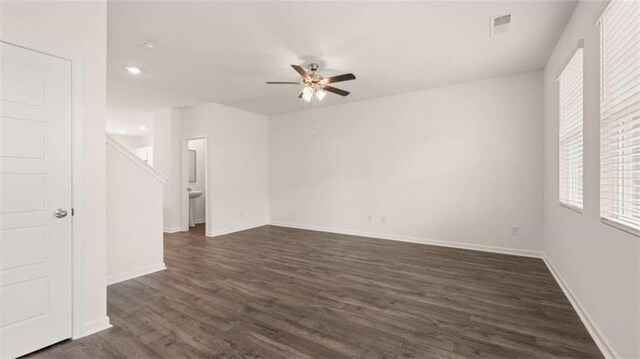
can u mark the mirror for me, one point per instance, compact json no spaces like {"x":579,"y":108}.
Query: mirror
{"x":192,"y":165}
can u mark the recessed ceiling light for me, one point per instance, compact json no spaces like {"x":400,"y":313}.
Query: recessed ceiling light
{"x":133,"y":70}
{"x":143,"y":128}
{"x":148,"y":45}
{"x":122,"y":132}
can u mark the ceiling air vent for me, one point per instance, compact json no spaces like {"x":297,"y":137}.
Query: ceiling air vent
{"x":500,"y":24}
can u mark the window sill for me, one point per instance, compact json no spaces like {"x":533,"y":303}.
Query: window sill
{"x":573,"y":208}
{"x":620,"y":226}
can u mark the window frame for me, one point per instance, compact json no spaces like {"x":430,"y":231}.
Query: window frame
{"x":579,"y":51}
{"x":605,"y":218}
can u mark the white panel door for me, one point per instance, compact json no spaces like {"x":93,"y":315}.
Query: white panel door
{"x":35,"y":181}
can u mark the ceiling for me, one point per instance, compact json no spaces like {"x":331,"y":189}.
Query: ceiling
{"x":225,"y":51}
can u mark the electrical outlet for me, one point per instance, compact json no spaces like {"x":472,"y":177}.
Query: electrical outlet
{"x":241,"y":213}
{"x":370,"y":218}
{"x":515,"y":230}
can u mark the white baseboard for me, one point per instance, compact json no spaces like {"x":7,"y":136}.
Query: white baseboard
{"x":233,"y":230}
{"x":595,"y":332}
{"x":202,"y":220}
{"x":433,"y":242}
{"x":95,"y":326}
{"x":171,"y":229}
{"x":119,"y":277}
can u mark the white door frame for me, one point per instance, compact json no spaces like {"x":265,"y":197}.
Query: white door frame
{"x":77,"y":193}
{"x":184,"y":183}
{"x":77,"y":169}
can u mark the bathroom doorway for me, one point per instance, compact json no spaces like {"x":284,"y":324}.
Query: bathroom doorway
{"x":195,"y":183}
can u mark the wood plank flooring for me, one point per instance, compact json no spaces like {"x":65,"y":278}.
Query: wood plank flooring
{"x":274,"y":292}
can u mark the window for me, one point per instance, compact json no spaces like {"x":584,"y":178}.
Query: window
{"x":570,"y":150}
{"x":620,"y":115}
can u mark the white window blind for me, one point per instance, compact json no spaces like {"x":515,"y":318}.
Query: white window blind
{"x":571,"y":124}
{"x":620,"y":115}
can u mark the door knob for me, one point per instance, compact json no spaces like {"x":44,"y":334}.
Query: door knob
{"x":60,"y":213}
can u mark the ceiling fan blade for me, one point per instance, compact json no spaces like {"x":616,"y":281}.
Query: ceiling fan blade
{"x":301,"y":71}
{"x":334,"y":90}
{"x":339,"y":78}
{"x":282,"y":83}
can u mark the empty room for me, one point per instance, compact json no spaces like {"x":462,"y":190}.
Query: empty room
{"x":320,"y":179}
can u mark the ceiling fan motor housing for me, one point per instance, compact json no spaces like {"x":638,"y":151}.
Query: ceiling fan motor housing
{"x":313,"y":80}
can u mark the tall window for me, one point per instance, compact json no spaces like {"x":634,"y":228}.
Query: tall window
{"x":620,"y":115}
{"x":570,"y":86}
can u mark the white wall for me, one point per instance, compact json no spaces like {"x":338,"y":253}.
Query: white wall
{"x":134,"y":216}
{"x":77,"y":31}
{"x":600,"y":264}
{"x":237,"y":158}
{"x":167,"y":132}
{"x":200,"y":146}
{"x":461,"y":164}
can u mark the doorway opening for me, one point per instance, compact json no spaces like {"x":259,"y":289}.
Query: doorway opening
{"x":197,"y":184}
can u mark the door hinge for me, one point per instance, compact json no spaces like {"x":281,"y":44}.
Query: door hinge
{"x":73,"y":212}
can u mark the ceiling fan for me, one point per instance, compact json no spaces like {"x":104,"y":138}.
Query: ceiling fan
{"x":316,"y":84}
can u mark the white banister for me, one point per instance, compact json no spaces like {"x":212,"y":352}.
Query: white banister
{"x":131,"y":156}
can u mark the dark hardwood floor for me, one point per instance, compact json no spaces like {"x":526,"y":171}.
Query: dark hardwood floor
{"x":274,"y":292}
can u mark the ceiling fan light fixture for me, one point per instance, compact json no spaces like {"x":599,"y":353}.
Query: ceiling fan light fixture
{"x":307,"y":94}
{"x":315,"y":83}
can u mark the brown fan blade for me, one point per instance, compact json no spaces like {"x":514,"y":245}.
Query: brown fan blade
{"x":336,"y":91}
{"x":282,"y":83}
{"x":339,"y":78}
{"x":301,"y":71}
